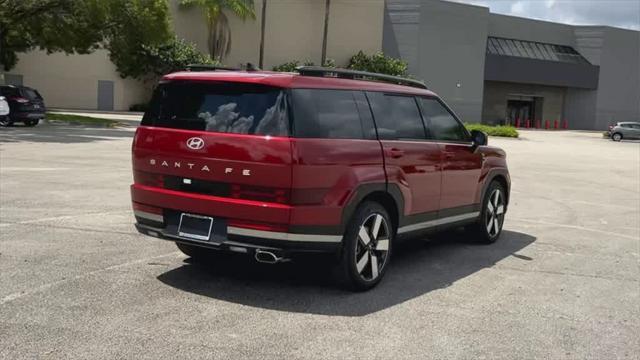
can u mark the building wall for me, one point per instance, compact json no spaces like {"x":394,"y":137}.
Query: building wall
{"x":444,"y":44}
{"x":294,"y":31}
{"x":71,"y":81}
{"x":513,"y":27}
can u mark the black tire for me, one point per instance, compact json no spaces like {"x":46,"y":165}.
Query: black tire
{"x":491,"y":215}
{"x":196,"y":252}
{"x":31,"y":123}
{"x":5,"y":121}
{"x":372,"y":248}
{"x":616,"y":136}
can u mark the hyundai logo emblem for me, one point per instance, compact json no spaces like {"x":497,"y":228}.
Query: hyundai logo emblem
{"x":195,"y":143}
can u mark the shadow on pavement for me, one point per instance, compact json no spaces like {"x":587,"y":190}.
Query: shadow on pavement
{"x":417,"y":268}
{"x":62,"y":134}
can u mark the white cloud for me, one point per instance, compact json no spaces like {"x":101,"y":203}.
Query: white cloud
{"x":618,"y":13}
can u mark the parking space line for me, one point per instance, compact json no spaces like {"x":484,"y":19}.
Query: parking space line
{"x":64,"y":217}
{"x":577,"y":227}
{"x":18,"y":295}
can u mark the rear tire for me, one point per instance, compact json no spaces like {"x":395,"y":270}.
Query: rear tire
{"x":196,"y":252}
{"x":488,"y":228}
{"x":5,"y":121}
{"x":616,"y":137}
{"x":31,"y":123}
{"x":366,"y":247}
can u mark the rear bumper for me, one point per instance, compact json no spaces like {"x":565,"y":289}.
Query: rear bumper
{"x":21,"y":116}
{"x":284,"y":243}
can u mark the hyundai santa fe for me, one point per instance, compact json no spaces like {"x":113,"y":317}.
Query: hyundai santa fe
{"x":323,"y":160}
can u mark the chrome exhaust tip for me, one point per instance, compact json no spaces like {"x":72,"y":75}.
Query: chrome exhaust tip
{"x":268,"y":257}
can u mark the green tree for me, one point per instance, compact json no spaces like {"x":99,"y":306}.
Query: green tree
{"x":153,"y":61}
{"x":378,"y":63}
{"x":219,"y":32}
{"x":71,"y":26}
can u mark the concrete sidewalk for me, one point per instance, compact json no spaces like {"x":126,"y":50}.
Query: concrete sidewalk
{"x":111,"y":115}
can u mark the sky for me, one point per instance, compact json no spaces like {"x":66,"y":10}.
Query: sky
{"x":618,"y":13}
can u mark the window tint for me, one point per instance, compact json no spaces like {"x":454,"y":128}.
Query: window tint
{"x":397,"y":117}
{"x":329,"y":114}
{"x":31,"y":94}
{"x":10,"y":91}
{"x":442,"y":125}
{"x":219,"y":107}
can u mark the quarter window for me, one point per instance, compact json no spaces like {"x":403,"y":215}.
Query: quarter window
{"x":442,"y":125}
{"x":327,"y":114}
{"x":397,"y":117}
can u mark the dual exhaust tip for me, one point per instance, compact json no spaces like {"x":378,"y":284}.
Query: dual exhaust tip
{"x":269,"y":257}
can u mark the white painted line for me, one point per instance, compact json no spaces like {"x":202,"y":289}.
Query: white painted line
{"x":65,"y":217}
{"x":576,"y":227}
{"x":44,"y":287}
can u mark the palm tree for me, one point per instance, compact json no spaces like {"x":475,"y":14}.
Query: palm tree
{"x":219,"y":38}
{"x":327,"y":9}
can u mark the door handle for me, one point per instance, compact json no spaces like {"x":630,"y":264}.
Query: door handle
{"x":395,"y":153}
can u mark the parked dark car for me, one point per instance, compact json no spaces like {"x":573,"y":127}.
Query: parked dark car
{"x":273,"y":164}
{"x":25,"y":105}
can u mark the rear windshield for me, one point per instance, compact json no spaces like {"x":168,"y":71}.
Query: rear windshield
{"x":31,"y":94}
{"x":219,"y":107}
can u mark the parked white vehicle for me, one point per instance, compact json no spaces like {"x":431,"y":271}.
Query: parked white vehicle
{"x":4,"y":106}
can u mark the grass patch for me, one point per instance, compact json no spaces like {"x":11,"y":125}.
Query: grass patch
{"x":83,"y":120}
{"x":499,"y":130}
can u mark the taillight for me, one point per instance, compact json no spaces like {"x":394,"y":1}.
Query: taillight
{"x":148,"y":179}
{"x":610,"y":127}
{"x":258,"y":193}
{"x":20,"y":100}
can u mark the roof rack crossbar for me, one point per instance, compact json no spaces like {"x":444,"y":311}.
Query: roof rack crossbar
{"x":357,"y":75}
{"x":207,"y":67}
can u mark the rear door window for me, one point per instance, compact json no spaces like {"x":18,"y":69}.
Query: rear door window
{"x":220,"y":107}
{"x":329,"y":114}
{"x":397,"y":117}
{"x":441,"y":123}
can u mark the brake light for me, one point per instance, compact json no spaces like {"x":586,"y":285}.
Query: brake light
{"x":258,"y":193}
{"x":146,"y":208}
{"x":148,"y":179}
{"x":20,"y":100}
{"x":257,"y":225}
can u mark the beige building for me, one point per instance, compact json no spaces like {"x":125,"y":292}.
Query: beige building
{"x":293,"y":31}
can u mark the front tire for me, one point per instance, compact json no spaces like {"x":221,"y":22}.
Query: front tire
{"x":616,"y":137}
{"x":488,"y":228}
{"x":366,"y":248}
{"x":31,"y":123}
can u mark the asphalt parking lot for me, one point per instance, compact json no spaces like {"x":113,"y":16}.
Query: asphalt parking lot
{"x":77,"y":281}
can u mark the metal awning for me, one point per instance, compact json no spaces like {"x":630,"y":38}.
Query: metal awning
{"x":531,"y":62}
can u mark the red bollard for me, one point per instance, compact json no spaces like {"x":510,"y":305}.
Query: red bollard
{"x":555,"y":124}
{"x":517,"y":122}
{"x":546,"y":124}
{"x":565,"y":125}
{"x":527,"y":123}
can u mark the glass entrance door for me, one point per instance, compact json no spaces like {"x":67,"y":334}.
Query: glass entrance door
{"x":519,"y":109}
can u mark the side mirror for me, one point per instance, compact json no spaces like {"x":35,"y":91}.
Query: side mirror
{"x":478,"y":138}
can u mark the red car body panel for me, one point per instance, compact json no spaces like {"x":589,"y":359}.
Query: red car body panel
{"x":302,"y":188}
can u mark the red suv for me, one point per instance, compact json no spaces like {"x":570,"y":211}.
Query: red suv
{"x":325,"y":160}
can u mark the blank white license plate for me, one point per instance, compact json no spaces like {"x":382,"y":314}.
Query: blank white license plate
{"x":195,"y":227}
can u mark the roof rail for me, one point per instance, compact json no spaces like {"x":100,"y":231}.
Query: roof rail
{"x":207,"y":67}
{"x":358,"y":75}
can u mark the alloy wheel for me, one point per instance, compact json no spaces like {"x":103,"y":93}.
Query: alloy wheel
{"x":494,"y":216}
{"x":4,"y":121}
{"x":372,"y":247}
{"x":616,"y":137}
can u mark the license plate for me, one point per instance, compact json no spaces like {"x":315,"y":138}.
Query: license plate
{"x":195,"y":227}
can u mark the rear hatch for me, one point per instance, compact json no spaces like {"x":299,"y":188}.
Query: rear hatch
{"x":34,"y":101}
{"x":218,"y":148}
